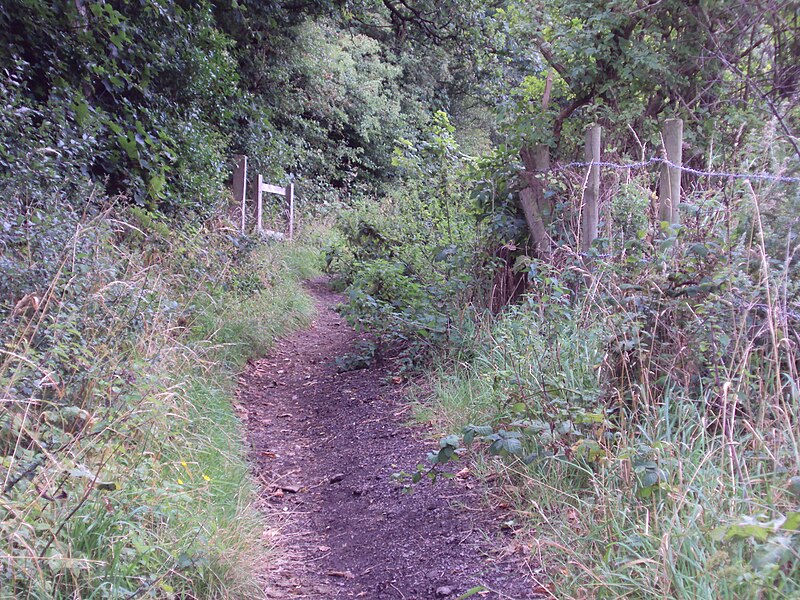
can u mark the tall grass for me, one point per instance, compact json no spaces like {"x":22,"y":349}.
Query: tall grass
{"x":658,"y":408}
{"x":123,"y":465}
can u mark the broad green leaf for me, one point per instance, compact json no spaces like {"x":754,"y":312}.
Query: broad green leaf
{"x":450,"y":440}
{"x":792,"y":522}
{"x":513,"y":446}
{"x":748,"y":530}
{"x":773,"y":554}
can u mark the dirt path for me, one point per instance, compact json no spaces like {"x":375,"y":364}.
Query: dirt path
{"x":327,"y":444}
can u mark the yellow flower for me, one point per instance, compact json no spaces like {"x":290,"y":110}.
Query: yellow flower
{"x":180,"y":481}
{"x":206,"y":477}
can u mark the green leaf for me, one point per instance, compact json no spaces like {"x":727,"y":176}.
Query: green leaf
{"x":792,"y":522}
{"x":667,"y":244}
{"x":514,"y":446}
{"x":773,"y":554}
{"x":757,"y":531}
{"x":129,"y":145}
{"x":156,"y":186}
{"x":496,"y":447}
{"x":184,"y":561}
{"x":81,"y":108}
{"x":450,"y":440}
{"x":649,"y":479}
{"x":471,"y":431}
{"x":480,"y":429}
{"x":115,"y":127}
{"x":718,"y":533}
{"x":471,"y":592}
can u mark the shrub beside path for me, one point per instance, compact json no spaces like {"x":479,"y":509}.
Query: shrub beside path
{"x":326,"y":445}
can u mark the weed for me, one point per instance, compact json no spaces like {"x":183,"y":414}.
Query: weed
{"x":123,"y":466}
{"x":641,"y":418}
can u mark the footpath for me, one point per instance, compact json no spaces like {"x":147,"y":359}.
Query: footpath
{"x":326,"y":445}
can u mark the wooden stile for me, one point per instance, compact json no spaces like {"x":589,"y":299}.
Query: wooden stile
{"x":240,"y":186}
{"x":290,"y":202}
{"x":273,"y":189}
{"x":259,"y":188}
{"x":259,"y":200}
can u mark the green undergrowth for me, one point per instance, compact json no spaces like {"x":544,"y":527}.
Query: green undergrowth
{"x":636,"y":404}
{"x":405,"y":258}
{"x":123,"y":464}
{"x":641,"y":419}
{"x":664,"y":505}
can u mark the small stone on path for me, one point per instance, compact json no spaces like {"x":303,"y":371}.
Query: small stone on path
{"x":444,"y":591}
{"x":342,"y":574}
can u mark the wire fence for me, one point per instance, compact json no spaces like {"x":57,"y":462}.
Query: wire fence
{"x":538,"y":207}
{"x":660,"y":161}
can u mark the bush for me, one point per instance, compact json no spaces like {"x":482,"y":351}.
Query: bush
{"x":644,"y":410}
{"x":406,"y":260}
{"x":122,"y":459}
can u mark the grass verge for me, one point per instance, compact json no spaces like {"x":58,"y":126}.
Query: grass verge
{"x":123,"y":465}
{"x":645,"y":436}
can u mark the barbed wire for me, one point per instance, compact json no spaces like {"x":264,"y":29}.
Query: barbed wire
{"x":659,"y":160}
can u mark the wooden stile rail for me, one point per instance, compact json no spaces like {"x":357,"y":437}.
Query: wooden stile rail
{"x":240,"y":185}
{"x":259,"y":189}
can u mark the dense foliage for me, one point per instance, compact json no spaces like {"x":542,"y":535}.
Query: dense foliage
{"x":638,"y":401}
{"x":123,"y":467}
{"x":641,"y":396}
{"x":152,"y":99}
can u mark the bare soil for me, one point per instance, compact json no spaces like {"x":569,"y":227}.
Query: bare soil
{"x":326,"y":445}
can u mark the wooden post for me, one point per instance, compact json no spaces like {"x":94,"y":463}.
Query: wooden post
{"x":290,"y":202}
{"x":240,"y":186}
{"x":538,"y":210}
{"x":591,"y":192}
{"x":259,"y":197}
{"x":669,"y":187}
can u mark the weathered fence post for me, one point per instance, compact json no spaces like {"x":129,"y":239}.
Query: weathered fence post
{"x":591,"y":192}
{"x":536,"y":207}
{"x":240,"y":186}
{"x":669,"y":187}
{"x":259,"y":197}
{"x":290,"y":202}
